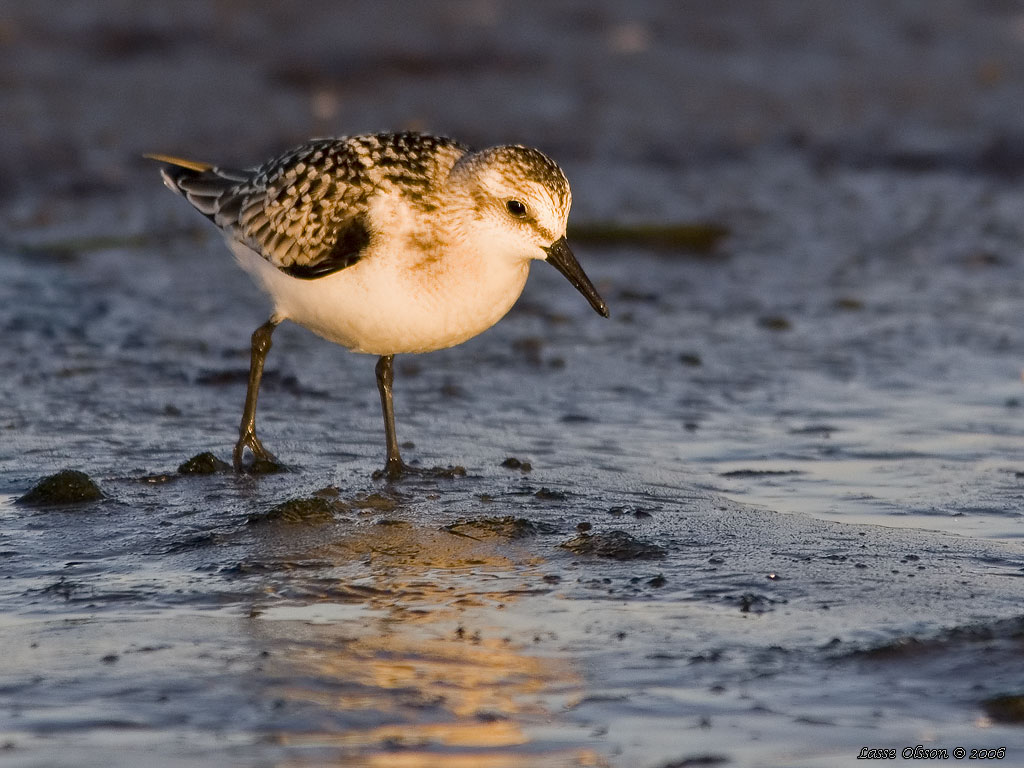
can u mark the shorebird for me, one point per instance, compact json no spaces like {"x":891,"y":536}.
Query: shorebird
{"x":386,"y":244}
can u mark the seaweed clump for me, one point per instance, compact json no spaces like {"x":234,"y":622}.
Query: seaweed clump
{"x":507,"y":527}
{"x":615,"y":545}
{"x":314,"y":510}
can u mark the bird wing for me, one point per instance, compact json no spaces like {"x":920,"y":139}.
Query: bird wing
{"x":306,"y":212}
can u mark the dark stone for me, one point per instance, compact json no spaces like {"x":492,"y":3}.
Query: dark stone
{"x":69,"y":486}
{"x":774,"y":323}
{"x":513,"y":463}
{"x":546,"y":494}
{"x":203,"y":464}
{"x":1005,"y":709}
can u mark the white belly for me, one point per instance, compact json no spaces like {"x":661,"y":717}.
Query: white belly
{"x":385,"y":306}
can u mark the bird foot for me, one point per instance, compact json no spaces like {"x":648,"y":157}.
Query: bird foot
{"x":263,"y":461}
{"x":396,"y":469}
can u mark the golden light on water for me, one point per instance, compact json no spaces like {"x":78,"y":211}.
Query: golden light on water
{"x":436,"y":657}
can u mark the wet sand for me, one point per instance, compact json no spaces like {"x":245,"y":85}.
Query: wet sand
{"x":773,"y":507}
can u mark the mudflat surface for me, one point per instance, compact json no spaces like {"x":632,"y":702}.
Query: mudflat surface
{"x":772,"y":513}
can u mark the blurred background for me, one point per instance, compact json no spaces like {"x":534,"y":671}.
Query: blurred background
{"x":87,"y":87}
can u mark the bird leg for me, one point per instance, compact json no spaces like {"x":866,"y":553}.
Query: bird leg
{"x":247,"y":430}
{"x":395,"y":467}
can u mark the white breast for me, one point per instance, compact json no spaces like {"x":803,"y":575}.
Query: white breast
{"x":387,"y":303}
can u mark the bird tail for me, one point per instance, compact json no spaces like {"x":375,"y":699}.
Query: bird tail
{"x":179,"y":162}
{"x":202,"y":184}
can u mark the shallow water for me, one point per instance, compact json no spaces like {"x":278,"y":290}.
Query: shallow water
{"x":164,"y":620}
{"x":774,"y":510}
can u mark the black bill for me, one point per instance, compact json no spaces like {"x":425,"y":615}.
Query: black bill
{"x":561,"y":258}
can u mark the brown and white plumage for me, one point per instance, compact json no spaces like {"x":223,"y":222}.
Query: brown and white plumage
{"x":306,"y":210}
{"x":389,"y":243}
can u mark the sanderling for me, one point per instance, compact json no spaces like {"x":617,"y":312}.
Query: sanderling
{"x":386,"y":244}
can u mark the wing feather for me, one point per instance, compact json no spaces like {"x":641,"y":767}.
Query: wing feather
{"x":306,"y":211}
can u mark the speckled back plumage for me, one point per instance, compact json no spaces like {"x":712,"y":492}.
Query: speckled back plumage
{"x":306,"y":210}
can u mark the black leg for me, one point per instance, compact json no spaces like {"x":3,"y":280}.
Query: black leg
{"x":247,"y":430}
{"x":395,"y":467}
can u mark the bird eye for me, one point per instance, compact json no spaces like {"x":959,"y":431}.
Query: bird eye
{"x":517,"y":208}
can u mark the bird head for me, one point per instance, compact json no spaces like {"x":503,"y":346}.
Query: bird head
{"x":521,"y":199}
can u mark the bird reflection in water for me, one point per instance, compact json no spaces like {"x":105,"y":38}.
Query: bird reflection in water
{"x":418,"y":652}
